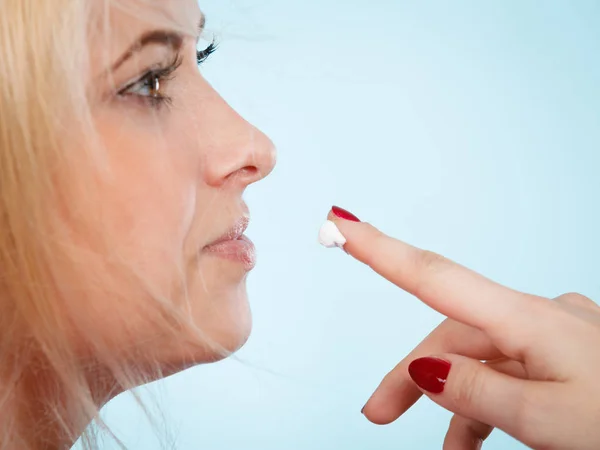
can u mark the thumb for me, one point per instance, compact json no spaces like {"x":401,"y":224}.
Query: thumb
{"x":474,"y":390}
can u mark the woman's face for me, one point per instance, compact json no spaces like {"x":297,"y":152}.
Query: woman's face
{"x":179,"y":160}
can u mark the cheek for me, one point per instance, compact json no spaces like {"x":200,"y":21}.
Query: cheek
{"x":141,"y":209}
{"x":128,"y":232}
{"x":152,"y":207}
{"x":188,"y":210}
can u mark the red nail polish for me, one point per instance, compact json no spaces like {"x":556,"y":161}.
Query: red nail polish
{"x":343,"y":214}
{"x":430,"y":374}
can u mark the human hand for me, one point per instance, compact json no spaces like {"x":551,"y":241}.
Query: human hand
{"x":539,"y":382}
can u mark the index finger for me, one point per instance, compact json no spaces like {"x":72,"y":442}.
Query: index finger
{"x":447,"y":287}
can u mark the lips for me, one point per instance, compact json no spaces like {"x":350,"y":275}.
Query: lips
{"x":234,"y":233}
{"x":234,"y":246}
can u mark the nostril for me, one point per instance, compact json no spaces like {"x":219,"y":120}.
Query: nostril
{"x":247,"y":174}
{"x":250,"y":172}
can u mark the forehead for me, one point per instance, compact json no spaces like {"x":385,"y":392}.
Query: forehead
{"x":117,"y":24}
{"x":126,"y":20}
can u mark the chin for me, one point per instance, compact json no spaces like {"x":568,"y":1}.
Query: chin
{"x":224,"y":318}
{"x":224,"y":330}
{"x":219,"y":308}
{"x":232,"y":336}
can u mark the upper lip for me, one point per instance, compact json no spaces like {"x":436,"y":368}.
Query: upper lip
{"x":234,"y":232}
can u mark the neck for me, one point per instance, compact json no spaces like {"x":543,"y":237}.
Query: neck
{"x":47,"y":416}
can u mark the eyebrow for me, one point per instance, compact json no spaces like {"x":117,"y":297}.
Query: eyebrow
{"x":167,"y":38}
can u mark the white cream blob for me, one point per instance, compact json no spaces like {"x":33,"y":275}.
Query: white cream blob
{"x":330,"y":236}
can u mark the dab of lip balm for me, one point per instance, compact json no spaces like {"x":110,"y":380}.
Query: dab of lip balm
{"x":330,"y":236}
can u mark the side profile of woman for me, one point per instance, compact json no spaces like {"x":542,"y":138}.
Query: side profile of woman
{"x":122,"y":254}
{"x":123,"y":257}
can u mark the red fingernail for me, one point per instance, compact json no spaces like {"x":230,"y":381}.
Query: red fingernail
{"x":430,"y":374}
{"x":343,"y":214}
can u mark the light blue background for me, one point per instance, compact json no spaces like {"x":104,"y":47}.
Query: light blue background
{"x":471,"y":128}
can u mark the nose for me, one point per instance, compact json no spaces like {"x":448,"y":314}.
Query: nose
{"x":238,"y":153}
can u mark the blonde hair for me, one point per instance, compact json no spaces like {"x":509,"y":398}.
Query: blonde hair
{"x":44,"y":68}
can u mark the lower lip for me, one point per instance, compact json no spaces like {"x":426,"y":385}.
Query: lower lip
{"x":241,"y":250}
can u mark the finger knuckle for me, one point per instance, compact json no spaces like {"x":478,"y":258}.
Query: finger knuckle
{"x":574,"y":298}
{"x":381,"y":239}
{"x":427,"y":263}
{"x":429,"y":260}
{"x":378,"y":241}
{"x":468,"y":390}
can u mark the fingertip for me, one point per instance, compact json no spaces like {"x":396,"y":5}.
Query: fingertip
{"x":378,"y":417}
{"x":363,"y":239}
{"x":390,"y":401}
{"x":344,"y":214}
{"x":359,"y":235}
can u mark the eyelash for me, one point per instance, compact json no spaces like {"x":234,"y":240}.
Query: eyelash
{"x":202,"y":55}
{"x":155,"y":77}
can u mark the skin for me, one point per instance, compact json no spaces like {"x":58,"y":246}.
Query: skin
{"x":198,"y":158}
{"x":539,"y":380}
{"x":177,"y":176}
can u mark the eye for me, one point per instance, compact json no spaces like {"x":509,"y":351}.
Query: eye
{"x":149,"y":86}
